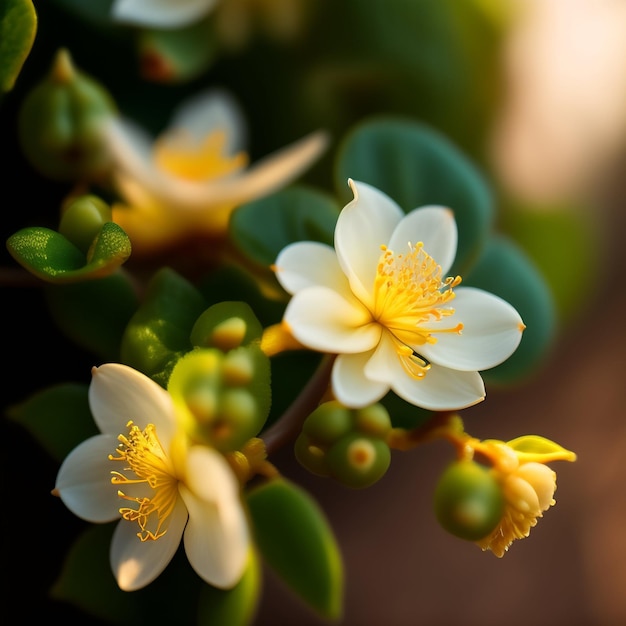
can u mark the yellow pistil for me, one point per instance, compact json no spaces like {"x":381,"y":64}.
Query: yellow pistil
{"x":146,"y":463}
{"x":193,"y":159}
{"x":409,"y":292}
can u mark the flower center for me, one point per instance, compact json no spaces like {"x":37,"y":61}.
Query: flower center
{"x":196,"y":159}
{"x":409,"y":293}
{"x":145,"y":464}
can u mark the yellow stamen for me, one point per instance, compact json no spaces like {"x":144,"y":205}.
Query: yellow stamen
{"x":146,"y":463}
{"x":409,"y":292}
{"x":197,"y":160}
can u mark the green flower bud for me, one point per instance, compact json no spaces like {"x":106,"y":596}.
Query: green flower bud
{"x":60,"y":121}
{"x":358,"y":461}
{"x":221,"y":399}
{"x":311,"y":456}
{"x":328,"y":422}
{"x":82,"y":220}
{"x":373,"y":420}
{"x":468,"y":500}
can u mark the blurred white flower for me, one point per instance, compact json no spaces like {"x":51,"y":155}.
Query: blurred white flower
{"x":141,"y":471}
{"x":563,"y":118}
{"x":384,"y":305}
{"x":161,"y":13}
{"x":188,"y":181}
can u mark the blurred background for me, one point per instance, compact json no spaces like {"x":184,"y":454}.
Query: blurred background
{"x":535,"y":94}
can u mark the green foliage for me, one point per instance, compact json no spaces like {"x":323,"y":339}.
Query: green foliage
{"x":262,"y":228}
{"x":468,"y":500}
{"x":505,"y":270}
{"x":50,"y":256}
{"x":94,"y":314}
{"x":416,"y":166}
{"x":293,"y":536}
{"x":159,"y":332}
{"x":18,"y":28}
{"x":58,"y":417}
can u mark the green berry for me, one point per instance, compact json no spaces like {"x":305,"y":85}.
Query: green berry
{"x":328,"y":422}
{"x":373,"y":420}
{"x":468,"y":500}
{"x":358,"y":461}
{"x":310,"y":456}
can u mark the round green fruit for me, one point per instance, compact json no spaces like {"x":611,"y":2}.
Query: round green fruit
{"x":468,"y":500}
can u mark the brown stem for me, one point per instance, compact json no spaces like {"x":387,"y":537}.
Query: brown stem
{"x":288,"y":426}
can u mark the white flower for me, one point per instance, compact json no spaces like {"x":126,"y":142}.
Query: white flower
{"x":139,"y":470}
{"x":383,"y":305}
{"x":188,"y":181}
{"x":161,"y":13}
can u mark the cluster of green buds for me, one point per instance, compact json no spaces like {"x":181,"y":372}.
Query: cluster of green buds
{"x":221,"y":388}
{"x":348,"y":445}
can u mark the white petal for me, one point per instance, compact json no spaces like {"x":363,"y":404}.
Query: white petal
{"x":217,"y":537}
{"x":210,"y":110}
{"x":364,"y":224}
{"x":435,"y":227}
{"x":265,"y":176}
{"x":324,"y":320}
{"x":137,"y":563}
{"x":84,"y":480}
{"x":350,"y":385}
{"x":308,"y":263}
{"x":384,"y":363}
{"x":161,"y":13}
{"x":492,"y":330}
{"x":119,"y":393}
{"x":441,"y":389}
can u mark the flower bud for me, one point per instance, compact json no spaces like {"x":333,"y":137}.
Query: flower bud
{"x":328,"y":422}
{"x":82,"y":220}
{"x":468,"y":500}
{"x":60,"y":123}
{"x":358,"y":461}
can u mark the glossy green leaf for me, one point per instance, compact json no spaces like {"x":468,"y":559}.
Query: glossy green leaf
{"x":232,"y":607}
{"x":506,"y":270}
{"x":18,"y":28}
{"x":159,"y":332}
{"x":554,"y":238}
{"x":416,"y":166}
{"x":94,"y":314}
{"x":58,"y":417}
{"x":293,"y":536}
{"x":50,"y":256}
{"x":262,"y":228}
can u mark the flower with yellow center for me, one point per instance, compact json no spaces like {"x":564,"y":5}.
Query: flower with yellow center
{"x":527,"y":484}
{"x":187,"y":182}
{"x":381,"y":300}
{"x":142,"y":471}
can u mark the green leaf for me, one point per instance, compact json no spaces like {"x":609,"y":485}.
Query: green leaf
{"x":262,"y":228}
{"x":158,"y":334}
{"x":18,"y":27}
{"x":505,"y":270}
{"x":416,"y":166}
{"x":294,"y":537}
{"x":58,"y":417}
{"x":50,"y":256}
{"x":554,"y":238}
{"x":94,"y":314}
{"x":232,"y":607}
